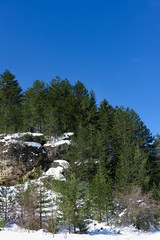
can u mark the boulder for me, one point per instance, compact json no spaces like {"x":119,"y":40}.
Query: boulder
{"x":22,"y":153}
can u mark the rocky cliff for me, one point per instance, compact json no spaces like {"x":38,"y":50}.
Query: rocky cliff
{"x":21,"y":154}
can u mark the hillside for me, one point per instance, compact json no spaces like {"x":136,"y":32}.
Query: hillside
{"x":107,"y":171}
{"x":49,"y":192}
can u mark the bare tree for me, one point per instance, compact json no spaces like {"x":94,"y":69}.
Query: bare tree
{"x":136,"y":208}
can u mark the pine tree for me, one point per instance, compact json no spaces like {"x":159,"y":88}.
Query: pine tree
{"x":60,"y":98}
{"x":91,"y":118}
{"x":7,"y":203}
{"x":26,"y":200}
{"x":131,"y":169}
{"x":34,"y":204}
{"x":128,"y":131}
{"x":101,"y":194}
{"x":81,"y":96}
{"x":153,"y":165}
{"x":71,"y":202}
{"x":104,"y":142}
{"x":45,"y":203}
{"x":10,"y":103}
{"x":34,"y":106}
{"x":81,"y":155}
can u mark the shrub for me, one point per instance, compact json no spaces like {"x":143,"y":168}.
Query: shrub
{"x":137,"y":209}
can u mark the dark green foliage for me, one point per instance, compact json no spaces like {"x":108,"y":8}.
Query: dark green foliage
{"x":81,"y":155}
{"x":154,"y":163}
{"x":73,"y":203}
{"x":131,"y":168}
{"x":60,"y":98}
{"x":101,"y":195}
{"x":10,"y":103}
{"x":129,"y":133}
{"x":34,"y":105}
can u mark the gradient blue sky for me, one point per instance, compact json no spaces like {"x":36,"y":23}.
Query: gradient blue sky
{"x":112,"y":46}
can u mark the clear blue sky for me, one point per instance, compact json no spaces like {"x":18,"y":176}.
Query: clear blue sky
{"x":112,"y":46}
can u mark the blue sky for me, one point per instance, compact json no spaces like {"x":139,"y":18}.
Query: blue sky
{"x":112,"y":46}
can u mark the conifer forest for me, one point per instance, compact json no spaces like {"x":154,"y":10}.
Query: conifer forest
{"x":113,"y":157}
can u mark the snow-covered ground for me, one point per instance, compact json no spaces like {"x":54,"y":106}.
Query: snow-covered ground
{"x":15,"y":233}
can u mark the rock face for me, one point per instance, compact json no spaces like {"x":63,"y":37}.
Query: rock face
{"x":21,"y":154}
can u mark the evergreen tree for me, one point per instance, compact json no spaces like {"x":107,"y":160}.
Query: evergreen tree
{"x":61,"y":100}
{"x":154,"y":163}
{"x":71,"y":202}
{"x":6,"y":203}
{"x":10,"y":103}
{"x":45,"y":203}
{"x":101,"y":195}
{"x":91,"y":118}
{"x":104,"y":142}
{"x":81,"y":155}
{"x":131,"y":168}
{"x":34,"y":204}
{"x":34,"y":106}
{"x":81,"y":96}
{"x":26,"y":200}
{"x":128,"y":131}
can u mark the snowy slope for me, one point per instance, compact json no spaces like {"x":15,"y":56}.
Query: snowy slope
{"x":16,"y":233}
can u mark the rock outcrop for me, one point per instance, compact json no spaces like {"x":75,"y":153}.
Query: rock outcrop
{"x":22,"y":154}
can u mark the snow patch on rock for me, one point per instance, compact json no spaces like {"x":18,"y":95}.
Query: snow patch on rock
{"x":57,"y":141}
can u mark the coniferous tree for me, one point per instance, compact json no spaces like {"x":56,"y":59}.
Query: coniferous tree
{"x":81,"y":155}
{"x":6,"y":203}
{"x":34,"y":204}
{"x":131,"y":168}
{"x":101,"y":194}
{"x":104,"y":142}
{"x":34,"y":106}
{"x":45,"y":203}
{"x":128,"y":131}
{"x":26,"y":203}
{"x":153,"y":165}
{"x":91,"y":118}
{"x":81,"y":96}
{"x":61,"y":100}
{"x":71,"y":202}
{"x":10,"y":103}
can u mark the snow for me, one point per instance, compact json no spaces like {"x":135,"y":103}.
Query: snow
{"x":55,"y":173}
{"x":5,"y":151}
{"x":53,"y":142}
{"x":63,"y":163}
{"x":64,"y":139}
{"x":122,"y":213}
{"x":15,"y":233}
{"x":68,"y":134}
{"x":37,"y":134}
{"x":33,"y":144}
{"x":14,"y":138}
